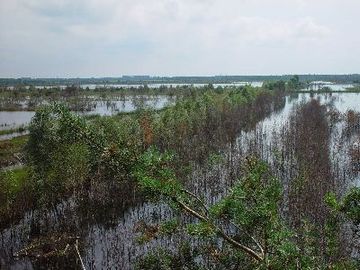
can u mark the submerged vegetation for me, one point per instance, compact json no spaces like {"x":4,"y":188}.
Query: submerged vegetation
{"x":11,"y":151}
{"x":128,"y":80}
{"x":30,"y":98}
{"x":68,"y":154}
{"x":272,"y":208}
{"x":79,"y":99}
{"x":247,"y":219}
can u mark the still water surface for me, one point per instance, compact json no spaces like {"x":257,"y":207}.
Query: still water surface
{"x":15,"y":119}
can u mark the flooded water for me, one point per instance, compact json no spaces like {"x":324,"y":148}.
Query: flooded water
{"x":16,"y":119}
{"x":10,"y":120}
{"x":13,"y":135}
{"x":332,"y":86}
{"x":151,"y":85}
{"x":116,"y":247}
{"x":112,"y":107}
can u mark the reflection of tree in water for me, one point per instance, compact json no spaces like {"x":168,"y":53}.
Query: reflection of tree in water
{"x":109,"y":235}
{"x":111,"y":105}
{"x":139,"y":102}
{"x":123,"y":208}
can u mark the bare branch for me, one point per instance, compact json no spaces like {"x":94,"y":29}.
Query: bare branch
{"x":220,"y":232}
{"x":78,"y":253}
{"x":197,"y":199}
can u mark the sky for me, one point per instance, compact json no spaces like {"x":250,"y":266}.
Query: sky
{"x":97,"y":38}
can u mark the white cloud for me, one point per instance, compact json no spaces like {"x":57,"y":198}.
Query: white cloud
{"x":160,"y":36}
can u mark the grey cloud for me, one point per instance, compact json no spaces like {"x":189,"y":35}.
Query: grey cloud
{"x":40,"y":37}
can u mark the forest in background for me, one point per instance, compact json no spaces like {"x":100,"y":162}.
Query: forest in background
{"x":144,"y":79}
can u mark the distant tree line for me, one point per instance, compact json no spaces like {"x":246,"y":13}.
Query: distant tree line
{"x":345,"y":78}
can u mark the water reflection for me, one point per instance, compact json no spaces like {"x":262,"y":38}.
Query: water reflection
{"x":151,"y":85}
{"x":116,"y":246}
{"x":15,"y":119}
{"x":10,"y":120}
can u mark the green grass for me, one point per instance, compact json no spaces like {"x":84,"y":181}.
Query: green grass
{"x":9,"y":149}
{"x":15,"y":194}
{"x":13,"y":180}
{"x":353,"y":89}
{"x":12,"y":130}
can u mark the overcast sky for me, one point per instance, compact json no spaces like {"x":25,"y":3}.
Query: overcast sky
{"x":84,"y":38}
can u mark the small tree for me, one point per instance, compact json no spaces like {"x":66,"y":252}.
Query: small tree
{"x":294,"y":83}
{"x":247,"y":219}
{"x":347,"y":209}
